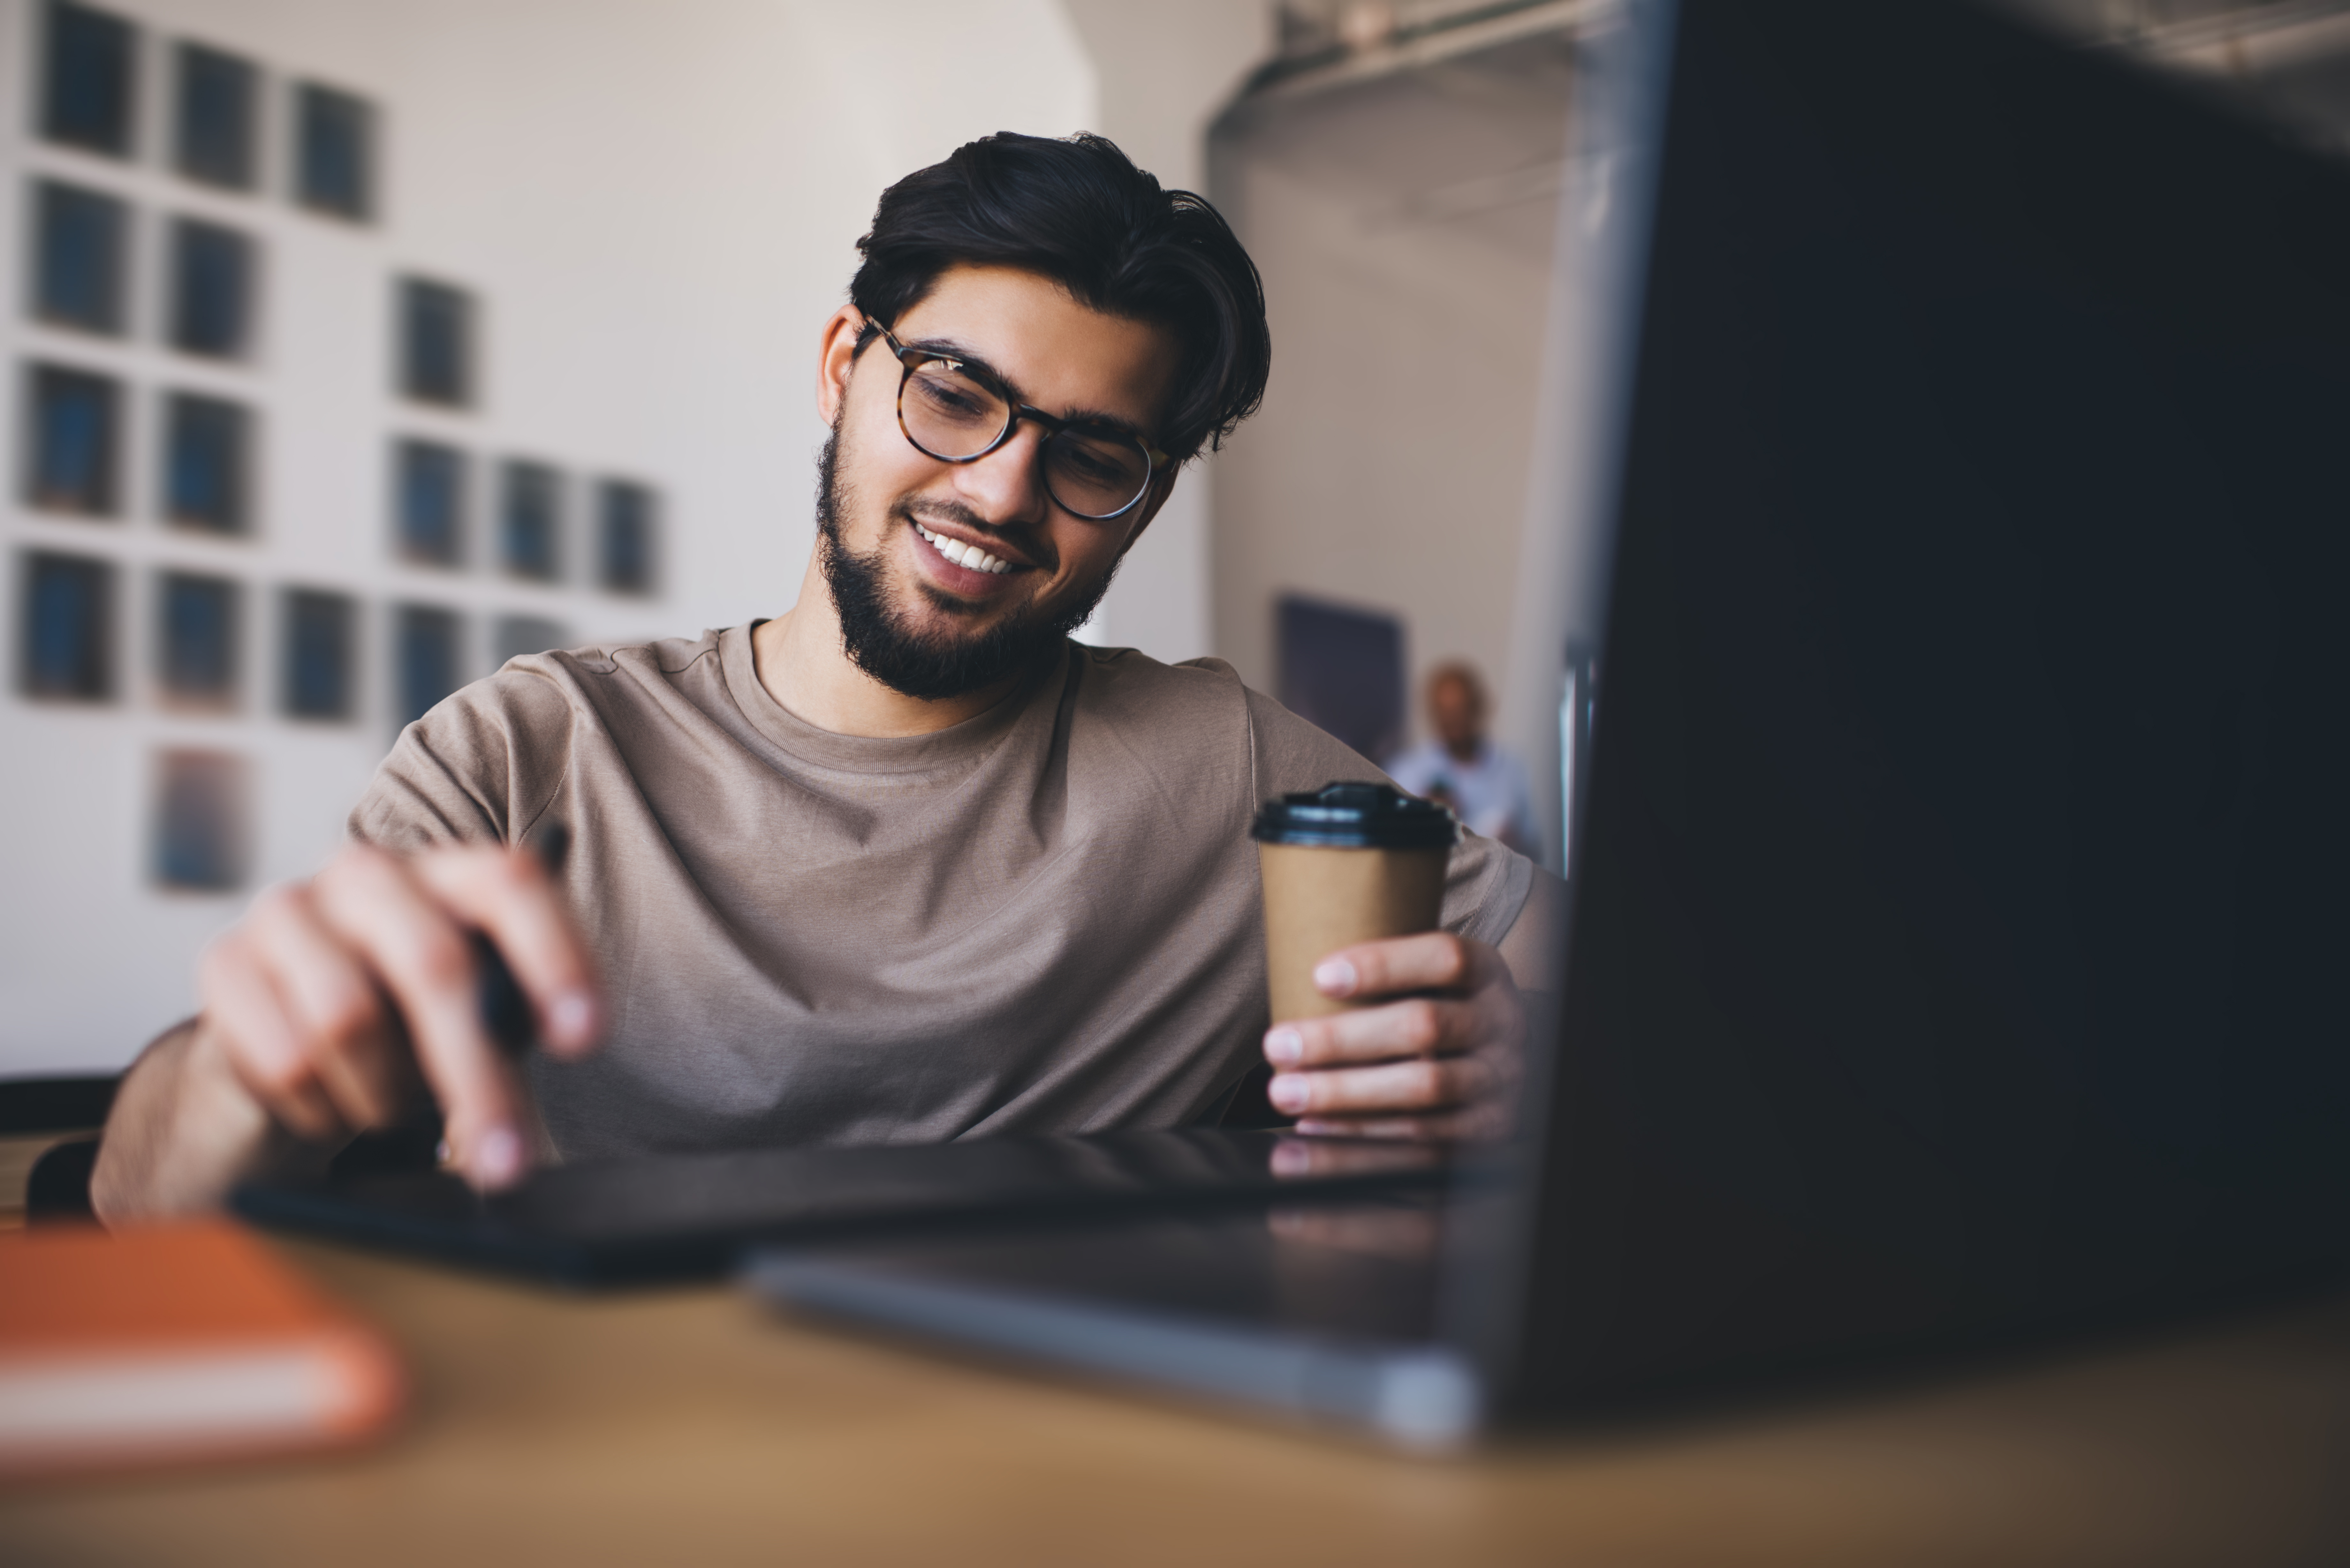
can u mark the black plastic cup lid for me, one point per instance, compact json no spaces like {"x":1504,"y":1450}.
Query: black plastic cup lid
{"x":1356,"y":816}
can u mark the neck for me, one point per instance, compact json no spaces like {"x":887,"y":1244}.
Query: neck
{"x":804,"y":665}
{"x":1463,"y":751}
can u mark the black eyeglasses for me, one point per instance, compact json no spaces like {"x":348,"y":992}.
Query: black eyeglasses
{"x":959,"y":413}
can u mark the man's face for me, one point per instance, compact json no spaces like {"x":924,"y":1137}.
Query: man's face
{"x":1453,"y":709}
{"x":920,"y":622}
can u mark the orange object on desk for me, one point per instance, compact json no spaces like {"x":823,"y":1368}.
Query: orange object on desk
{"x":166,"y":1344}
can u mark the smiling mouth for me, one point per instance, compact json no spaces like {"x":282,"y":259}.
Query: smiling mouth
{"x":971,"y":558}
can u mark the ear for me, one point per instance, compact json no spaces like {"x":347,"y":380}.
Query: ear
{"x":836,"y":357}
{"x":1162,"y":485}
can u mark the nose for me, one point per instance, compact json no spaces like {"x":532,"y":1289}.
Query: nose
{"x":1006,"y":487}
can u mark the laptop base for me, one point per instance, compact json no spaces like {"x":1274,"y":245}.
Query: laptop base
{"x":1329,"y":1313}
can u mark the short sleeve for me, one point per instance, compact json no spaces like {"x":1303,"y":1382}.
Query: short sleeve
{"x":477,"y":768}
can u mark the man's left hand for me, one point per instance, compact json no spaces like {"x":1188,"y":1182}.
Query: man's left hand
{"x":1442,"y":1060}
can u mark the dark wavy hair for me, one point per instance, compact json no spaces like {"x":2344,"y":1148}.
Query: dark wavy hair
{"x":1078,"y":211}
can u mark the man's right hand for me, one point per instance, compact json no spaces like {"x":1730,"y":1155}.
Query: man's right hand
{"x":331,"y":1008}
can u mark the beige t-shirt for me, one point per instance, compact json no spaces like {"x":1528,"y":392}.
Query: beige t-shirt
{"x":1044,"y":919}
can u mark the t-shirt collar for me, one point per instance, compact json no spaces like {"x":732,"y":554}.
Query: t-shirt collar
{"x":956,"y":745}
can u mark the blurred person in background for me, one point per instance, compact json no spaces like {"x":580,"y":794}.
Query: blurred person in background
{"x":902,"y":864}
{"x":1460,"y":768}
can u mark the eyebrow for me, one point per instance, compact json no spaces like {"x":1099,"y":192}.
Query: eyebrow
{"x":948,"y":349}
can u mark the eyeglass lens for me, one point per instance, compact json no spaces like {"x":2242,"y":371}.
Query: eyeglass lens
{"x":949,"y":414}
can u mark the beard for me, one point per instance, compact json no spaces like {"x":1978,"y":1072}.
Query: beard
{"x":880,"y":638}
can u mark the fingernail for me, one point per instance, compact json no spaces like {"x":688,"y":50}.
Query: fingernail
{"x":1284,"y":1046}
{"x":1335,"y":977}
{"x":1287,"y":1091}
{"x":498,"y":1161}
{"x":571,"y":1019}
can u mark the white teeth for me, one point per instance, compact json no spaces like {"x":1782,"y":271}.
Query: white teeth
{"x":969,"y":556}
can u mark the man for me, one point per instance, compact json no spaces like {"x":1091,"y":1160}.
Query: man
{"x":1460,"y":767}
{"x":904,"y":863}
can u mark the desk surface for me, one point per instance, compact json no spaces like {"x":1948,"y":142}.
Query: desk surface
{"x":690,"y":1426}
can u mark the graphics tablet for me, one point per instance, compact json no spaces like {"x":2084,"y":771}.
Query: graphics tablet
{"x":672,"y":1216}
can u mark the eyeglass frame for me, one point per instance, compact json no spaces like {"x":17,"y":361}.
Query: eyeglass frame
{"x":1051,"y":424}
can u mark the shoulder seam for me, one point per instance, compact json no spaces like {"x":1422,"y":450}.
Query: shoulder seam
{"x":681,"y":668}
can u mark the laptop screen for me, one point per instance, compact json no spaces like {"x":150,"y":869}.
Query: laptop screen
{"x":1958,"y":902}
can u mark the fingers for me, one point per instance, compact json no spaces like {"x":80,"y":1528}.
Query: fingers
{"x":1432,"y":960}
{"x":1416,"y":1084}
{"x":377,"y":906}
{"x":1417,"y":1027}
{"x":263,"y":1044}
{"x":509,"y":896}
{"x":1426,"y":1066}
{"x":328,"y":1000}
{"x":349,"y":1039}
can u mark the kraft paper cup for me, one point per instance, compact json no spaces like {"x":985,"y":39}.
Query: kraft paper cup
{"x":1343,"y":864}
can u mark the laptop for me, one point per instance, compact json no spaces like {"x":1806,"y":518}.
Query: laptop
{"x":1959,"y":857}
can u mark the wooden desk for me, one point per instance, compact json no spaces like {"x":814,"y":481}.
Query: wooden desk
{"x":691,"y":1427}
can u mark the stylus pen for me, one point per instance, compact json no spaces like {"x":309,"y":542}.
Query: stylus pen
{"x":505,"y":1010}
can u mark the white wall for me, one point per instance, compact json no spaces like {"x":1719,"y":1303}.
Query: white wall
{"x":1165,"y":72}
{"x":656,"y":205}
{"x":1406,"y":229}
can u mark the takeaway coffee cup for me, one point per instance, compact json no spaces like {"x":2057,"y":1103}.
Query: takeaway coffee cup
{"x":1343,"y":864}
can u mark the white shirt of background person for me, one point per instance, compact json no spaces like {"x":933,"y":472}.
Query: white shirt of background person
{"x":1460,"y":767}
